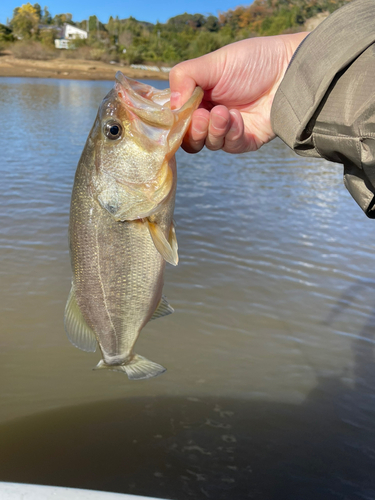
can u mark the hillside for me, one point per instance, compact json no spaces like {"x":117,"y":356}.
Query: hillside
{"x":129,"y":41}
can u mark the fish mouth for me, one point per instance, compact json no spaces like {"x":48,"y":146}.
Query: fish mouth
{"x":147,"y":103}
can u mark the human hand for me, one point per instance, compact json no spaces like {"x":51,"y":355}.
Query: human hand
{"x":239,"y":83}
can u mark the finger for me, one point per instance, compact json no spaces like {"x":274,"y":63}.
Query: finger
{"x":220,"y":123}
{"x":197,"y":132}
{"x":185,"y":76}
{"x":236,"y":140}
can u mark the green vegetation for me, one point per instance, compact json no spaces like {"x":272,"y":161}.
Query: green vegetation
{"x":182,"y":37}
{"x":6,"y":34}
{"x":273,"y":17}
{"x":25,"y":21}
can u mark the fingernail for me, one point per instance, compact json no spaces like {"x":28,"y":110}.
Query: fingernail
{"x":175,"y":100}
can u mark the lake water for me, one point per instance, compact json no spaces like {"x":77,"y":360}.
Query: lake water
{"x":270,"y":388}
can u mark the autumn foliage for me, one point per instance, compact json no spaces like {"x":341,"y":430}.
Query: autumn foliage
{"x":182,"y":37}
{"x":272,"y":17}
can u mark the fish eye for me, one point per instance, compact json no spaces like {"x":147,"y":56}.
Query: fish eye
{"x":112,"y":130}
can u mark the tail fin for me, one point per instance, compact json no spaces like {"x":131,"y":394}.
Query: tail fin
{"x":138,"y":368}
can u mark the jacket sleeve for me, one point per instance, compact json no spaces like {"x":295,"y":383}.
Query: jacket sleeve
{"x":325,"y":105}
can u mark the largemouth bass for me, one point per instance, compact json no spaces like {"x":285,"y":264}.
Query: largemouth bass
{"x":121,"y":228}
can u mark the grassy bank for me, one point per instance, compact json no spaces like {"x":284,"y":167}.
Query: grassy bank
{"x":69,"y":68}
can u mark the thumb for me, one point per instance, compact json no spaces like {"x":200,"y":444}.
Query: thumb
{"x":185,"y":76}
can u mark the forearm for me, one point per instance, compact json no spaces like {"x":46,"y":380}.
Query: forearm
{"x":325,"y":104}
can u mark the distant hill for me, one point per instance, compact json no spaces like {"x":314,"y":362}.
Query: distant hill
{"x":182,"y":37}
{"x":273,"y":17}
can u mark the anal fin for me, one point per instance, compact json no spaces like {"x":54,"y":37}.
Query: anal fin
{"x":79,"y":333}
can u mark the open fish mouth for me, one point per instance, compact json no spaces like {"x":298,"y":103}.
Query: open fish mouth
{"x":146,"y":102}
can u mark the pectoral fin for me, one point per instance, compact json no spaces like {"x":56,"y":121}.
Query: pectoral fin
{"x":79,"y":333}
{"x":163,"y":309}
{"x":167,"y":249}
{"x":172,"y":239}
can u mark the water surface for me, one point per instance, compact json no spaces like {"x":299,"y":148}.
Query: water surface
{"x":269,"y":391}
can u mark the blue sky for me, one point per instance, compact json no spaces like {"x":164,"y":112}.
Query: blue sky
{"x":144,"y":10}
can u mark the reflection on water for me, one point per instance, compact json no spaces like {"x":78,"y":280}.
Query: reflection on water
{"x":269,"y":391}
{"x":186,"y":448}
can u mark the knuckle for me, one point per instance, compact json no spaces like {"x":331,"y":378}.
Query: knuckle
{"x":214,"y":146}
{"x":179,"y":73}
{"x":217,"y":134}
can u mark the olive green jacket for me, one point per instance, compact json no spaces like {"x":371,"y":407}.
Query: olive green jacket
{"x":325,"y":105}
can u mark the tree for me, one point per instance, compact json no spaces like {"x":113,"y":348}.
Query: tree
{"x":204,"y":43}
{"x":25,"y":21}
{"x":212,"y":23}
{"x":38,"y":10}
{"x":6,"y":34}
{"x":46,"y":18}
{"x":183,"y":21}
{"x":93,"y":20}
{"x":60,"y":19}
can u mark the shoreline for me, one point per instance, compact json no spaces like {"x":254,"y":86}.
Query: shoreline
{"x":71,"y":69}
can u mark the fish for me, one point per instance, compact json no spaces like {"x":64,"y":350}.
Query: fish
{"x":121,"y":228}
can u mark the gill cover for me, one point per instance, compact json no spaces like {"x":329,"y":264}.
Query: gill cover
{"x":135,"y":174}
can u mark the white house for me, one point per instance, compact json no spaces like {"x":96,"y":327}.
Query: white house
{"x":69,"y":33}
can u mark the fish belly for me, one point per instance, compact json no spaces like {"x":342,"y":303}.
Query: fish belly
{"x":117,"y":275}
